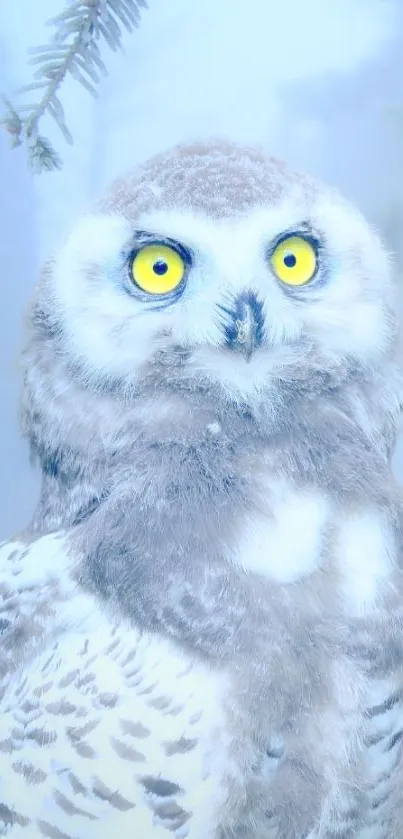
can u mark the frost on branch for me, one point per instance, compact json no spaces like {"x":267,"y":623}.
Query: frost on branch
{"x":74,"y":49}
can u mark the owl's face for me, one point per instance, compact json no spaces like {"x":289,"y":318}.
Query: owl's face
{"x":243,"y":297}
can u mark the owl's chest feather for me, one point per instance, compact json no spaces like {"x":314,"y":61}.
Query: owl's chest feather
{"x":290,"y":534}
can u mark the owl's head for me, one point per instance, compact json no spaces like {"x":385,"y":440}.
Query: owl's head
{"x":242,"y":272}
{"x":211,"y":282}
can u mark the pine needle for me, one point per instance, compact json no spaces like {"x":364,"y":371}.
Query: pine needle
{"x":74,"y":50}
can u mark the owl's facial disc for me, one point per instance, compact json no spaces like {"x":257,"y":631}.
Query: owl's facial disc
{"x":158,"y":272}
{"x":276,"y":287}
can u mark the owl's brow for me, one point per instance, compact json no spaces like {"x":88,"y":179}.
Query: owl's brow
{"x":303,"y":228}
{"x":141,"y":238}
{"x":146,"y":237}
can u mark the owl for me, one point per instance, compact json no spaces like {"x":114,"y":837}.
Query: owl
{"x":202,"y":625}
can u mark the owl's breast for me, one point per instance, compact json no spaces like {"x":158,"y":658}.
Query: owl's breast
{"x":283,"y":535}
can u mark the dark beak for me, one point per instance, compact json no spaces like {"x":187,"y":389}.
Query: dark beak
{"x":245,"y":334}
{"x":245,"y":327}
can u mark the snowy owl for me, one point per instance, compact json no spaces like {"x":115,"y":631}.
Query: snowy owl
{"x":202,"y":626}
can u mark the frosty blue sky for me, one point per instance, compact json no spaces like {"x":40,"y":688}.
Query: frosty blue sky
{"x":318,"y":83}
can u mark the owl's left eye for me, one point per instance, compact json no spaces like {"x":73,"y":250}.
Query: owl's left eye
{"x":295,"y":260}
{"x":157,"y":269}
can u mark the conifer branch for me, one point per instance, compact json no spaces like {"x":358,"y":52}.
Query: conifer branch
{"x":73,"y":50}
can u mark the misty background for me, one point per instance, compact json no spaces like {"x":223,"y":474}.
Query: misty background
{"x":318,"y":83}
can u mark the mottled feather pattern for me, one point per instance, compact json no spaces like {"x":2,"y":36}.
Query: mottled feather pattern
{"x":104,"y":721}
{"x":28,"y":604}
{"x":382,"y":733}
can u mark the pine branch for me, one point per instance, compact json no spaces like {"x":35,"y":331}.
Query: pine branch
{"x":73,"y":50}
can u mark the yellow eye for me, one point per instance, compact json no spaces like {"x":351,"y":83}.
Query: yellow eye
{"x":294,"y":261}
{"x":157,"y":269}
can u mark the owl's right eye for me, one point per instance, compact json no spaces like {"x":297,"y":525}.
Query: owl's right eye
{"x":157,"y":269}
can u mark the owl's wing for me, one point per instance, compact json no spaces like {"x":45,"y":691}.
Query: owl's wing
{"x":104,"y":729}
{"x":33,"y":584}
{"x":383,"y":711}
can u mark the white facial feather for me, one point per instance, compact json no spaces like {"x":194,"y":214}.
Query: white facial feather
{"x":113,"y":333}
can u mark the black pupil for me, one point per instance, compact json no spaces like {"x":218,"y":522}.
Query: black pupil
{"x":290,"y":260}
{"x":160,"y":267}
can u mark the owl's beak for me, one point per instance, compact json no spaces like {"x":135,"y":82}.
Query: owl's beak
{"x":245,"y":335}
{"x":244,"y":331}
